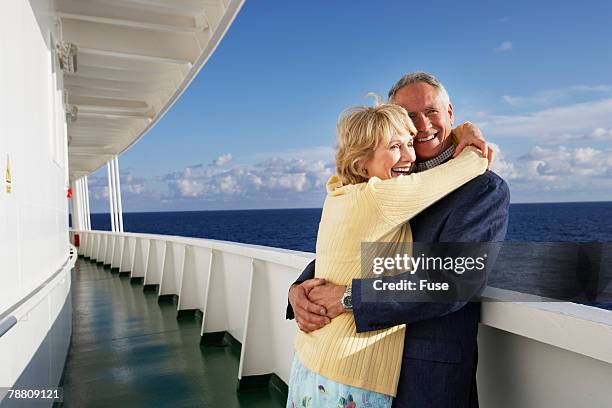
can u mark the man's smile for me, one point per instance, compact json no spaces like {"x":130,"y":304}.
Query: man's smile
{"x":427,"y":138}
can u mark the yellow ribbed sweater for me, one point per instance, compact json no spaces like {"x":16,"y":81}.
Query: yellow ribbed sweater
{"x":369,"y":212}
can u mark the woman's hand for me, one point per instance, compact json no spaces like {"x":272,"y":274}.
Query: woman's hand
{"x":470,"y":135}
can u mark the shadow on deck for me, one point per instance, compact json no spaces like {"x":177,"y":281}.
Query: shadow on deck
{"x":129,"y":349}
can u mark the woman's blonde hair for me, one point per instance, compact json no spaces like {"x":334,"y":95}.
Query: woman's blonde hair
{"x":360,"y":131}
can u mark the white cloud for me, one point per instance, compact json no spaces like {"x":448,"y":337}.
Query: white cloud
{"x":133,"y":190}
{"x":273,"y":177}
{"x":133,"y":185}
{"x":514,"y":100}
{"x":98,"y":188}
{"x":562,"y":162}
{"x":324,"y":153}
{"x":576,"y":122}
{"x":593,"y":88}
{"x":189,"y":188}
{"x":503,"y":19}
{"x":547,"y":98}
{"x":503,"y":47}
{"x":223,"y":159}
{"x":506,"y":169}
{"x":558,"y":173}
{"x":595,"y":135}
{"x":600,"y":134}
{"x":544,"y":173}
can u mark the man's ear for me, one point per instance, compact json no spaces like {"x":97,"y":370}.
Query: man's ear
{"x":450,"y":113}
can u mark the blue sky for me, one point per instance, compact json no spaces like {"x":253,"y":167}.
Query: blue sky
{"x":256,"y":127}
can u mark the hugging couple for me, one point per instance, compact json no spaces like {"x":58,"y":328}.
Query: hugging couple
{"x":403,"y":174}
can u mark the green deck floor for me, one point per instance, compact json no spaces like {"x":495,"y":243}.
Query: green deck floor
{"x":128,"y":350}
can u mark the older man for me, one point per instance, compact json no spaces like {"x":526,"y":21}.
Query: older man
{"x":440,"y":351}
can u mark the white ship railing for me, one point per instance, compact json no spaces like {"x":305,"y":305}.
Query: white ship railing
{"x":239,"y":289}
{"x":531,"y":354}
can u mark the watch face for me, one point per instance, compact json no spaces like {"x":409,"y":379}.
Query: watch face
{"x":348,"y":301}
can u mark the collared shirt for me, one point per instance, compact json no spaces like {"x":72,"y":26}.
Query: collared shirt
{"x":443,"y":157}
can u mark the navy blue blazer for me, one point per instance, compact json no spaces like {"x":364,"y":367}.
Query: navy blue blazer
{"x":440,"y":350}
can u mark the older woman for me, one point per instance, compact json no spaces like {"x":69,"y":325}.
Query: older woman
{"x":370,"y":199}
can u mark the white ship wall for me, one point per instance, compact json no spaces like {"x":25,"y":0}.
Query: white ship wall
{"x":34,"y":216}
{"x":35,"y":307}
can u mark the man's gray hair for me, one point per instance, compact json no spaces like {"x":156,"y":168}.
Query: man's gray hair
{"x":415,"y":78}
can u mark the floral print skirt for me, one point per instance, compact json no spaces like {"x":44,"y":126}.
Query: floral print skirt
{"x":308,"y":389}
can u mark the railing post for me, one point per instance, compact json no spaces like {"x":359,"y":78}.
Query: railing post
{"x":118,"y":194}
{"x":110,"y":195}
{"x":194,"y":282}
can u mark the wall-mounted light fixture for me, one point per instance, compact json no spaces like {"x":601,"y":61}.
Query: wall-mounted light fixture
{"x":67,"y":54}
{"x":71,"y":113}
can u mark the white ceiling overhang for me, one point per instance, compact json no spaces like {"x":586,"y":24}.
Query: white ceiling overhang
{"x":134,"y":59}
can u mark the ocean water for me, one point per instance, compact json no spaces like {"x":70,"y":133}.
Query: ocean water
{"x":297,"y":228}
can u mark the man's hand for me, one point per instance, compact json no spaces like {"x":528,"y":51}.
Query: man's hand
{"x":328,"y":295}
{"x":308,"y":315}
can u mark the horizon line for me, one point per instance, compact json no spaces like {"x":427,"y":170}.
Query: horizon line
{"x":320,"y":208}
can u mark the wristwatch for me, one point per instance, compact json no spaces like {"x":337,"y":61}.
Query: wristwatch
{"x":347,"y":299}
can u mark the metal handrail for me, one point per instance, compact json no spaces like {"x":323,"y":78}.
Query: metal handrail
{"x":7,"y":320}
{"x":6,"y":324}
